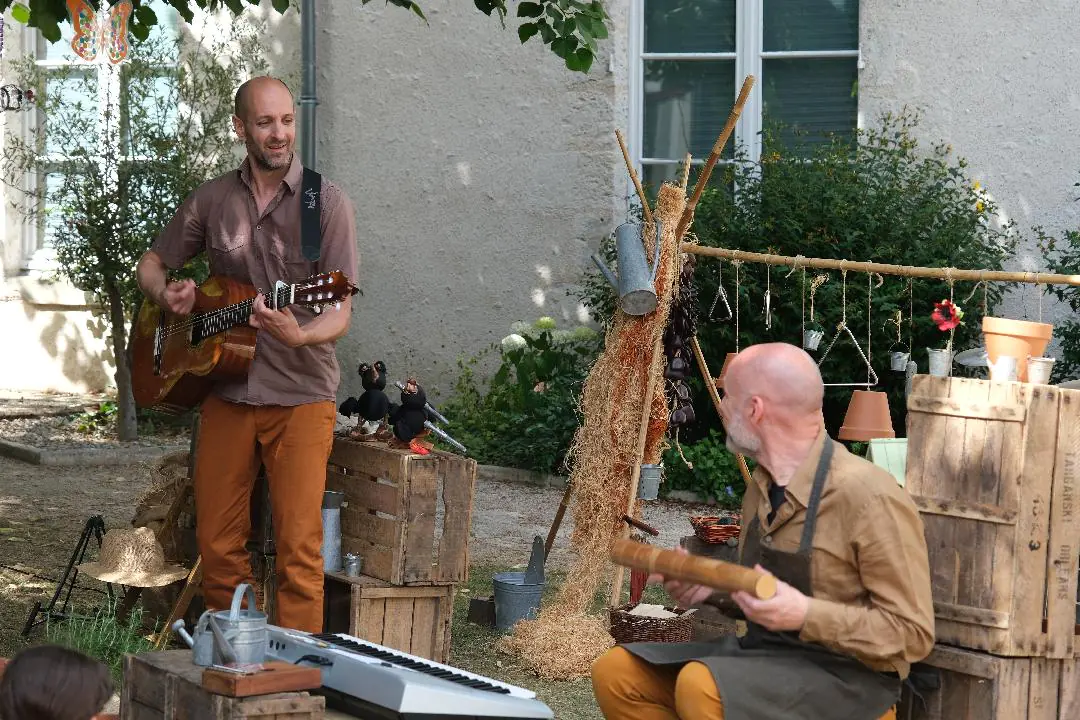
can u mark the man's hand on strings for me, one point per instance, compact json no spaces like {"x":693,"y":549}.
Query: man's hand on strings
{"x":281,"y":324}
{"x":683,"y":593}
{"x":786,"y":610}
{"x":178,"y":297}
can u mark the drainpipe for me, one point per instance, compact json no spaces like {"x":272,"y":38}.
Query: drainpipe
{"x":308,"y":99}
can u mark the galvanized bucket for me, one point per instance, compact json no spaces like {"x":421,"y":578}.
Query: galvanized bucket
{"x":811,"y":339}
{"x":649,"y":481}
{"x":244,"y":629}
{"x":515,"y":599}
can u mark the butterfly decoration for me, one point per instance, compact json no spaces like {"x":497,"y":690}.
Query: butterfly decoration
{"x":101,"y":34}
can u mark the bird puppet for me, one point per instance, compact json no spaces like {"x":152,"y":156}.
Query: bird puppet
{"x":372,"y":406}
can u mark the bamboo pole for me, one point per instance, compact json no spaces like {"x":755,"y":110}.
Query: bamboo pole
{"x":635,"y":471}
{"x":955,"y":274}
{"x":714,"y":156}
{"x":715,"y":395}
{"x":646,"y":211}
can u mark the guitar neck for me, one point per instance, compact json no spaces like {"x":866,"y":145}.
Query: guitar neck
{"x":230,"y":316}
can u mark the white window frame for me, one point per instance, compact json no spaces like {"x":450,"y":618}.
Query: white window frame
{"x":38,"y":255}
{"x":749,"y":59}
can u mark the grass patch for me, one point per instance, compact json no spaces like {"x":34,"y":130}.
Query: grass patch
{"x":471,"y":647}
{"x":101,"y":636}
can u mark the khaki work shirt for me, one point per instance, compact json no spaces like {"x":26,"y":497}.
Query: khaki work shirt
{"x":870,"y":566}
{"x":221,"y":218}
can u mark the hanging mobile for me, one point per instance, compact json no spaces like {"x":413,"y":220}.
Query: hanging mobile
{"x":768,"y":296}
{"x":898,"y":359}
{"x":871,"y":374}
{"x":812,"y":337}
{"x":721,"y":294}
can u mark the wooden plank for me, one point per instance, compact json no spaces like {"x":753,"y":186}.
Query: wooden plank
{"x":971,"y":615}
{"x":1033,"y":528}
{"x":967,"y":484}
{"x":397,"y":624}
{"x":1064,"y":540}
{"x":275,"y":677}
{"x":975,"y":410}
{"x":969,"y":511}
{"x":458,"y":489}
{"x":1012,"y":689}
{"x":366,"y":492}
{"x":369,"y":617}
{"x":406,"y":591}
{"x":965,"y":662}
{"x":374,"y":459}
{"x":985,"y":493}
{"x":1069,"y":700}
{"x":359,"y":523}
{"x":1043,"y":690}
{"x":420,"y":507}
{"x":380,"y":562}
{"x":134,"y":710}
{"x":423,"y":639}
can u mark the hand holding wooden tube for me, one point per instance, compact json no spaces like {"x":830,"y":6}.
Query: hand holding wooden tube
{"x":716,"y":574}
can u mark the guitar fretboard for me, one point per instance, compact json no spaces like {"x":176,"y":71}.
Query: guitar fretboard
{"x":222,"y":319}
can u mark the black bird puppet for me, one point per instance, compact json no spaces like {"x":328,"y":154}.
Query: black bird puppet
{"x":408,"y":419}
{"x":372,"y":406}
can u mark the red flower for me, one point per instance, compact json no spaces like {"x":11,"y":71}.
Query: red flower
{"x":946,"y":315}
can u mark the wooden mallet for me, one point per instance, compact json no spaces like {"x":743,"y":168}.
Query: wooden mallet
{"x":712,"y":573}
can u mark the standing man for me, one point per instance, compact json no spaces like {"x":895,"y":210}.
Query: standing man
{"x":282,"y":413}
{"x":853,"y":609}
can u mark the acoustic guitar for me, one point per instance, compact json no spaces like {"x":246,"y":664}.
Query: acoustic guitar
{"x":177,"y":359}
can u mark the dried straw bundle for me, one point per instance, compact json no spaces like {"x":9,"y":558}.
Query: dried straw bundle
{"x":563,"y":641}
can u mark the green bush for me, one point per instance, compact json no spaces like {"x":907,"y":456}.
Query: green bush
{"x":527,"y":415}
{"x":714,"y":473}
{"x":882,"y":198}
{"x":1063,"y":256}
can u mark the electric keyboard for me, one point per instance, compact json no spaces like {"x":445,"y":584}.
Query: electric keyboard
{"x":384,"y":683}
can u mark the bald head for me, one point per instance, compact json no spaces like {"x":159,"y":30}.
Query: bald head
{"x":253,"y":88}
{"x":785,"y":376}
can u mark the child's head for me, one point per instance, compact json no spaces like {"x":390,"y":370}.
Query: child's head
{"x":48,"y":682}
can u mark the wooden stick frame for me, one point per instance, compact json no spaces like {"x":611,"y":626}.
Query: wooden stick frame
{"x":1034,"y":278}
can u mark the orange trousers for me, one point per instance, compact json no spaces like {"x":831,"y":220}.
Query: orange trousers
{"x":628,"y":688}
{"x":294,"y":444}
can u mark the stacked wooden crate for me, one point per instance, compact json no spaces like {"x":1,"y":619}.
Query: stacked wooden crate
{"x":994,"y":470}
{"x":408,"y":517}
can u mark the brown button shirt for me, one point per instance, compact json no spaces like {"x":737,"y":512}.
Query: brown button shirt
{"x":870,"y":567}
{"x":221,"y":218}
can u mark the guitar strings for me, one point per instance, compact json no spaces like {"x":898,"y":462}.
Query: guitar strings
{"x":213,"y":314}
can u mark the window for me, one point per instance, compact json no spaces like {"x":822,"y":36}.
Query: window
{"x":98,"y":94}
{"x":689,"y":59}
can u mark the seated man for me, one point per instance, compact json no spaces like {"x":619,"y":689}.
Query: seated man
{"x":853,"y":610}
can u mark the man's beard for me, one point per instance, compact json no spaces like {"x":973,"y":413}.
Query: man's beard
{"x":740,"y":440}
{"x":263,"y":159}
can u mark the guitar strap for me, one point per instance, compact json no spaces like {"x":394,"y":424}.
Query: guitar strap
{"x":310,"y":215}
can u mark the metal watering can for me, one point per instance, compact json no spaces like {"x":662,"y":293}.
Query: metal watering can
{"x":636,"y":281}
{"x":240,"y":636}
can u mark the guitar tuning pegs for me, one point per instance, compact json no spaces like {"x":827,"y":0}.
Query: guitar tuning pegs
{"x":317,"y":309}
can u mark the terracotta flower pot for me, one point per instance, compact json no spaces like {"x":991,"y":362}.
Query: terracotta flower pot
{"x":1019,"y":338}
{"x":723,"y":371}
{"x":867,"y":417}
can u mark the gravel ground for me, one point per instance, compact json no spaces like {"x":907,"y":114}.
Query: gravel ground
{"x":63,"y":431}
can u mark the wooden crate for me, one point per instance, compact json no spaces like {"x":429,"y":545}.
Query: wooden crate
{"x":414,"y":619}
{"x":408,"y":515}
{"x":993,"y":468}
{"x":979,"y":686}
{"x":167,"y":685}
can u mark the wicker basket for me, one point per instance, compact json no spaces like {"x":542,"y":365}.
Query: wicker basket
{"x":713,"y":529}
{"x":627,"y":628}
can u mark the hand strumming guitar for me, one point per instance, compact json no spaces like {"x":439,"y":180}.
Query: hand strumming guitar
{"x":178,"y":297}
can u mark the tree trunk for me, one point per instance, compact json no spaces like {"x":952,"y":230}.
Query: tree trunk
{"x":127,"y":427}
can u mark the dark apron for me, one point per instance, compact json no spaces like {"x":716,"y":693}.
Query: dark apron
{"x":770,"y":675}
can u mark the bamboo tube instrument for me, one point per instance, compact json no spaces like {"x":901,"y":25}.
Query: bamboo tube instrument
{"x":712,"y":573}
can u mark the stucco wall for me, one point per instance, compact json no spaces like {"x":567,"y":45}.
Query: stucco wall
{"x":482,"y":172}
{"x":996,"y":80}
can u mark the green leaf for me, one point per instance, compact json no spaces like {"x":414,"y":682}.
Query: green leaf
{"x":564,"y":46}
{"x":580,"y":61}
{"x":281,"y":6}
{"x":554,"y":12}
{"x":546,"y":33}
{"x":599,"y":29}
{"x":140,"y":32}
{"x":526,"y":31}
{"x":20,"y":13}
{"x":146,"y":16}
{"x":181,"y":6}
{"x":530,"y":9}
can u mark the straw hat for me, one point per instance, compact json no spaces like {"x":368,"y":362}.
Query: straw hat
{"x":133,"y":558}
